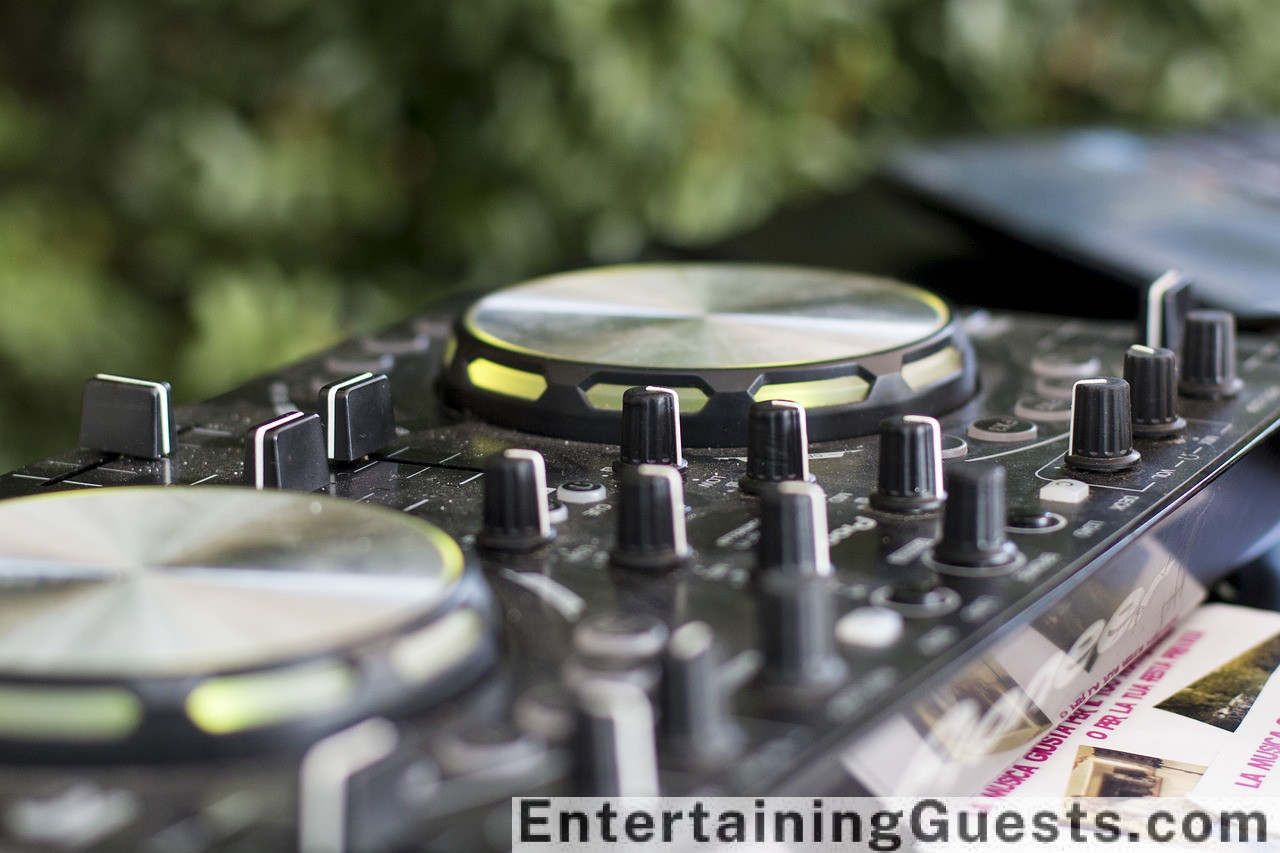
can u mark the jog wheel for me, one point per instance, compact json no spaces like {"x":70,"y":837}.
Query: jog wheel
{"x":554,"y":355}
{"x":143,"y":624}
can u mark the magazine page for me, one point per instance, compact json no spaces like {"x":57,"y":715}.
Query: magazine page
{"x":1198,"y":716}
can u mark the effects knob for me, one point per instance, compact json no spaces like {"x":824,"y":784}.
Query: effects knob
{"x":797,"y":607}
{"x":613,"y":742}
{"x":650,"y":428}
{"x":777,"y":445}
{"x":132,"y":417}
{"x":358,"y":416}
{"x":910,"y":472}
{"x":1209,"y":355}
{"x":287,"y":452}
{"x":793,"y":531}
{"x":696,"y":720}
{"x":1101,"y":426}
{"x":1152,"y":374}
{"x":651,"y":528}
{"x":973,"y":520}
{"x":515,"y":502}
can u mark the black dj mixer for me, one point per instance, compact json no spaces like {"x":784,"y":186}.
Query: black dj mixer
{"x":678,"y":529}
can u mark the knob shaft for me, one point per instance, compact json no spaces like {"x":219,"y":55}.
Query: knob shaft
{"x":1209,"y":355}
{"x":287,"y":453}
{"x":793,"y":531}
{"x":515,"y":502}
{"x":614,"y":750}
{"x":132,"y":417}
{"x":651,"y":527}
{"x":358,"y":416}
{"x":696,"y":719}
{"x":1152,"y":374}
{"x":1101,"y":426}
{"x":973,"y":521}
{"x":910,"y":471}
{"x":650,"y":428}
{"x":777,"y":445}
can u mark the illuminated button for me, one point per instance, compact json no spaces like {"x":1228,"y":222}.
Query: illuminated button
{"x":1064,"y":491}
{"x":1002,"y":429}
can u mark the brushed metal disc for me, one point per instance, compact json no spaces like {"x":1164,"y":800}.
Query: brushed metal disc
{"x":706,"y":316}
{"x":163,"y":581}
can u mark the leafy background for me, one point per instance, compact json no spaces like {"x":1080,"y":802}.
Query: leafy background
{"x":200,"y":189}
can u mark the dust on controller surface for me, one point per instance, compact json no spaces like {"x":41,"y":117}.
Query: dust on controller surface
{"x":924,"y":679}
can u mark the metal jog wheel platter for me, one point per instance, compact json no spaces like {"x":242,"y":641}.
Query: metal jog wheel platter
{"x":151,"y":622}
{"x":554,"y":355}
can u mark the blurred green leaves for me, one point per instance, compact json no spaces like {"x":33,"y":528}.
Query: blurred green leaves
{"x":197,"y":191}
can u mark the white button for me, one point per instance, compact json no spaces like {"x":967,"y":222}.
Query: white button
{"x":580,"y":492}
{"x":1065,"y":491}
{"x":954,"y":447}
{"x":1054,"y":364}
{"x":1002,"y":429}
{"x":1039,"y":408}
{"x":870,"y":627}
{"x":557,"y":512}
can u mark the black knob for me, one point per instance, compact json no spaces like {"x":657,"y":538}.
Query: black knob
{"x":797,"y":630}
{"x":696,"y":719}
{"x":132,"y":417}
{"x":358,"y":416}
{"x":973,"y":519}
{"x":777,"y":445}
{"x":286,"y":453}
{"x":650,"y":428}
{"x":614,"y":750}
{"x":1152,"y":374}
{"x":1101,"y":426}
{"x":1164,"y":306}
{"x":910,"y":473}
{"x":651,"y":528}
{"x":515,"y":502}
{"x":1209,"y":355}
{"x":793,"y":531}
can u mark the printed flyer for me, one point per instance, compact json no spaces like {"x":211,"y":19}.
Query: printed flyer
{"x":1197,"y":716}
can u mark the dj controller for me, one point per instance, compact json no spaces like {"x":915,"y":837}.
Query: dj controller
{"x":676,"y":529}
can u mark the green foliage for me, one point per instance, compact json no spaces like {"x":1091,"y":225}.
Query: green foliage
{"x":199,"y":190}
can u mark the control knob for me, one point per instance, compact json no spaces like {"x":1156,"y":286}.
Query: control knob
{"x":514,"y":515}
{"x":910,"y":468}
{"x":973,"y":521}
{"x":1101,"y":426}
{"x":651,"y":527}
{"x":1209,"y":355}
{"x":797,"y":608}
{"x":777,"y":445}
{"x":1152,"y":374}
{"x":695,"y":706}
{"x":650,"y":428}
